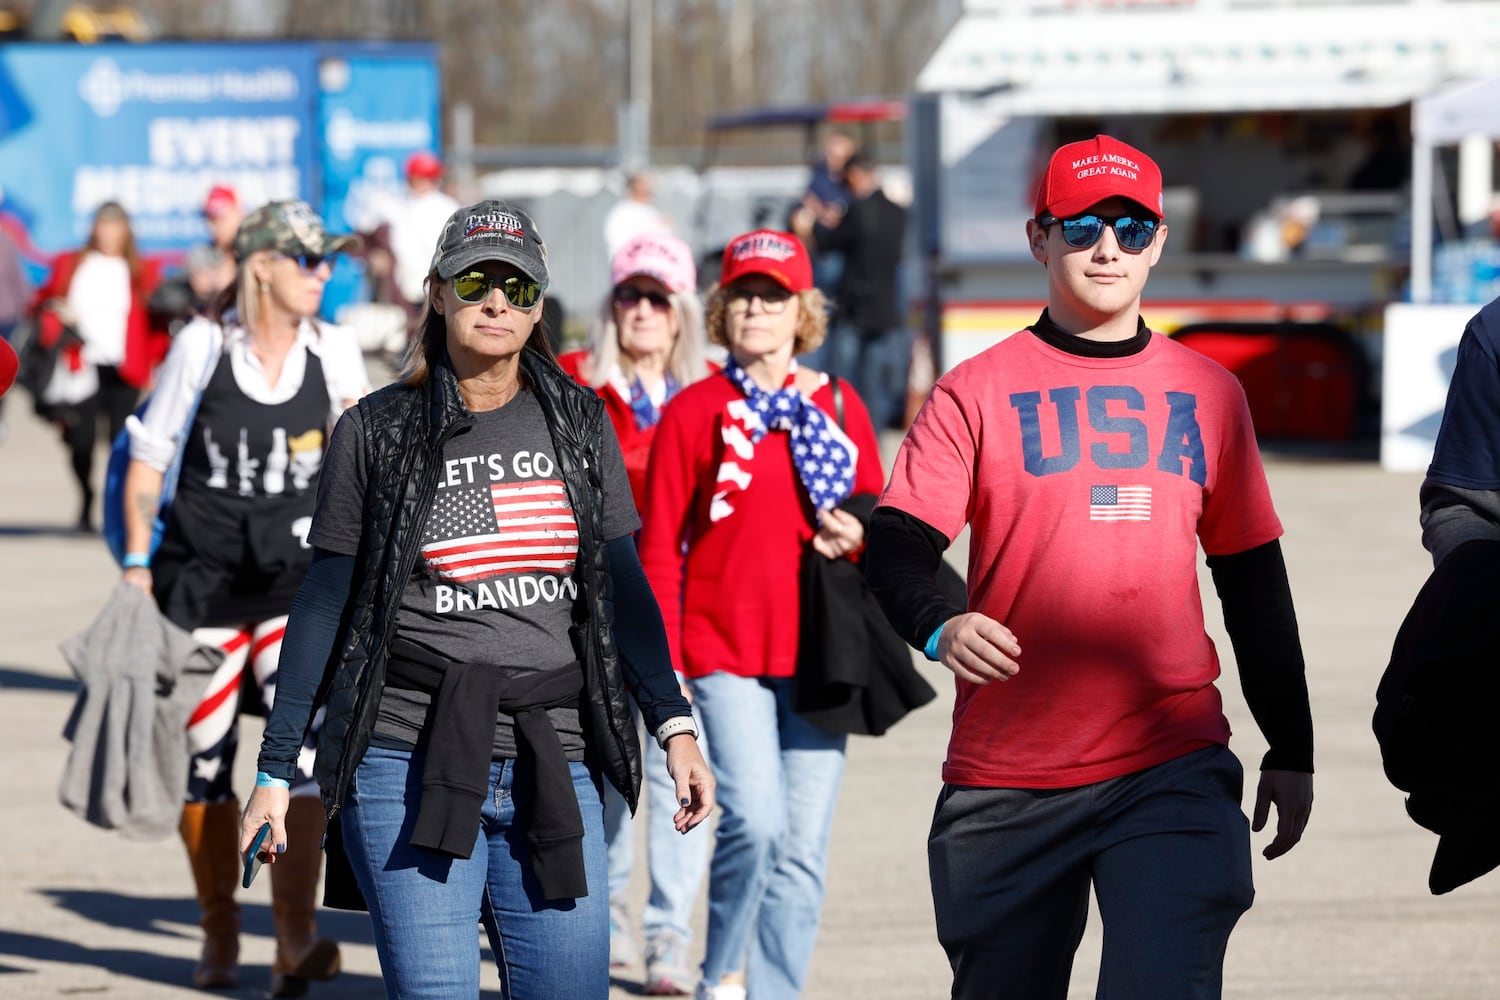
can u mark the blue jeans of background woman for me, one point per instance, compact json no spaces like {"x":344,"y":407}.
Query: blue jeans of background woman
{"x":778,"y":783}
{"x":424,"y":906}
{"x":675,"y":862}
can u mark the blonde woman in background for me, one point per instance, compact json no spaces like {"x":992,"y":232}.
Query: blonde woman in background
{"x":648,"y":344}
{"x":235,"y":551}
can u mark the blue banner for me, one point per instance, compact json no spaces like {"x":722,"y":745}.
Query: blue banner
{"x":378,"y":105}
{"x":152,"y":127}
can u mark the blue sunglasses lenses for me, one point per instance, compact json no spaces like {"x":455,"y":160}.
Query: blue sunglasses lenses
{"x":309,"y":262}
{"x":1131,"y":233}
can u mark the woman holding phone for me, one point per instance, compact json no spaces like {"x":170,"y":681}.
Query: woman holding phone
{"x":474,"y":612}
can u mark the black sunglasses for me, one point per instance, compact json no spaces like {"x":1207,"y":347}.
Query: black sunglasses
{"x":309,"y":262}
{"x":520,"y":291}
{"x":629,"y":296}
{"x":773,"y":298}
{"x":1083,"y":231}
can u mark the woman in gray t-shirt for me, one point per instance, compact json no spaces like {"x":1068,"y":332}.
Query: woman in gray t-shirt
{"x":474,"y":614}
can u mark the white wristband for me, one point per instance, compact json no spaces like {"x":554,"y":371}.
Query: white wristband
{"x":675,"y":727}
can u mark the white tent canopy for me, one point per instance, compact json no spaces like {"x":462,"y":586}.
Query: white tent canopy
{"x":1445,"y":118}
{"x":1073,"y":58}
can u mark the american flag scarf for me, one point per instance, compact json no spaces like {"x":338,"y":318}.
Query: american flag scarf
{"x":647,"y":413}
{"x":821,"y":451}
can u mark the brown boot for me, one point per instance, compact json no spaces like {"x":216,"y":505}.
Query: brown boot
{"x":300,"y":954}
{"x":211,"y":834}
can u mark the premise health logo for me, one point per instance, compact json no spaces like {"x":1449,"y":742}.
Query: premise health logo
{"x":347,"y":135}
{"x":105,"y":87}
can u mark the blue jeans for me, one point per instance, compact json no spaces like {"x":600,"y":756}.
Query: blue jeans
{"x":778,"y":783}
{"x":425,"y":905}
{"x":876,"y":362}
{"x":676,"y":862}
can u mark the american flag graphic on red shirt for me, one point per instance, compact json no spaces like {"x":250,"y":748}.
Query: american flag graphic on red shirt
{"x":481,"y":532}
{"x":1119,"y":503}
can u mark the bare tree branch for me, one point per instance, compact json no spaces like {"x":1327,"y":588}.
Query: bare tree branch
{"x":554,"y":74}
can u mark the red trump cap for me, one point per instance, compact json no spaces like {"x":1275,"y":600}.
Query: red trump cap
{"x":779,"y":256}
{"x":1082,"y":174}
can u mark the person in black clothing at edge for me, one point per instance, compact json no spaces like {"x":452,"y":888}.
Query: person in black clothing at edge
{"x":1090,"y":457}
{"x":868,"y":341}
{"x":474,"y":612}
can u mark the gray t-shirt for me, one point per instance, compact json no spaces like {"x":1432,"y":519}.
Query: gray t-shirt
{"x":494,"y":582}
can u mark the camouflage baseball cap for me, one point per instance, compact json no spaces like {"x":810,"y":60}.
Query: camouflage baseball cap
{"x":491,"y":230}
{"x":290,"y":227}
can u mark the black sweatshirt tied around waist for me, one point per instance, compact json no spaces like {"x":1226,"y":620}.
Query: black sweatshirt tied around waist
{"x":461,"y":720}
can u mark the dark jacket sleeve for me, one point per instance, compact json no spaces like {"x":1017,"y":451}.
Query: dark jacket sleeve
{"x":903,"y":567}
{"x":1453,"y":515}
{"x":642,"y":638}
{"x":1262,"y":627}
{"x":842,"y":236}
{"x":312,"y":628}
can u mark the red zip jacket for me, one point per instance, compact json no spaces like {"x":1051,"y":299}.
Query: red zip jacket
{"x":144,"y":347}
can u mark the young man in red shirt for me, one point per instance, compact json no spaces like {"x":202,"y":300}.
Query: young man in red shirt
{"x":1090,"y":457}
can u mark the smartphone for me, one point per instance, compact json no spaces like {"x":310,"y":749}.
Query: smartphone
{"x":252,"y":857}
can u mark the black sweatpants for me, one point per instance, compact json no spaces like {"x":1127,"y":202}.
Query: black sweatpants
{"x":1166,"y":849}
{"x":115,"y":400}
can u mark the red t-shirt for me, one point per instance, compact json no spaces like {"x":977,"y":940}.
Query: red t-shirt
{"x":733,"y":603}
{"x":1087,"y":484}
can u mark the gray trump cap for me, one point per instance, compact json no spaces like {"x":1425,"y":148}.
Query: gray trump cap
{"x":490,"y":230}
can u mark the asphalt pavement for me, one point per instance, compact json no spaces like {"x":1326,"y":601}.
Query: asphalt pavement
{"x":1346,"y":915}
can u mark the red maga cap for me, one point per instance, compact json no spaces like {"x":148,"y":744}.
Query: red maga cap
{"x":424,"y":164}
{"x":1082,"y":174}
{"x":220,"y":198}
{"x":779,"y":256}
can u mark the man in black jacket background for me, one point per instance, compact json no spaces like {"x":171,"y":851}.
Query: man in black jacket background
{"x":868,"y":341}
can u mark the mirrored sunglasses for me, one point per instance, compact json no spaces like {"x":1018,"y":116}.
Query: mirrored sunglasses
{"x":1133,"y":233}
{"x":519,"y":290}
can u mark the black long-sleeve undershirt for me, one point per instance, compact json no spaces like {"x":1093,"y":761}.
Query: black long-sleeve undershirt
{"x":901,"y":561}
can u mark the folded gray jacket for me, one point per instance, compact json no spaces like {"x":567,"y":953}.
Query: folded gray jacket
{"x":141,"y":679}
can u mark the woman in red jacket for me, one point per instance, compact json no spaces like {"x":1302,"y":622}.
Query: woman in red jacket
{"x":94,"y":301}
{"x":648,"y":343}
{"x":749,"y":469}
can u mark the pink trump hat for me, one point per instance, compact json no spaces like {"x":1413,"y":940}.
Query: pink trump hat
{"x":656,"y":255}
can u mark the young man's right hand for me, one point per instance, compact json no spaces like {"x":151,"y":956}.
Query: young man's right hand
{"x":978,"y":649}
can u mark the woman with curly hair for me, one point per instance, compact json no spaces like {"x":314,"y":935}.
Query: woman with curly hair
{"x":749,"y":468}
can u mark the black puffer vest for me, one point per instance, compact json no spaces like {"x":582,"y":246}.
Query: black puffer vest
{"x":405,"y":430}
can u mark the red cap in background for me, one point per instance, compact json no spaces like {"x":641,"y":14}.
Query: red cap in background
{"x":779,"y":256}
{"x":423,"y":164}
{"x":221,"y":198}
